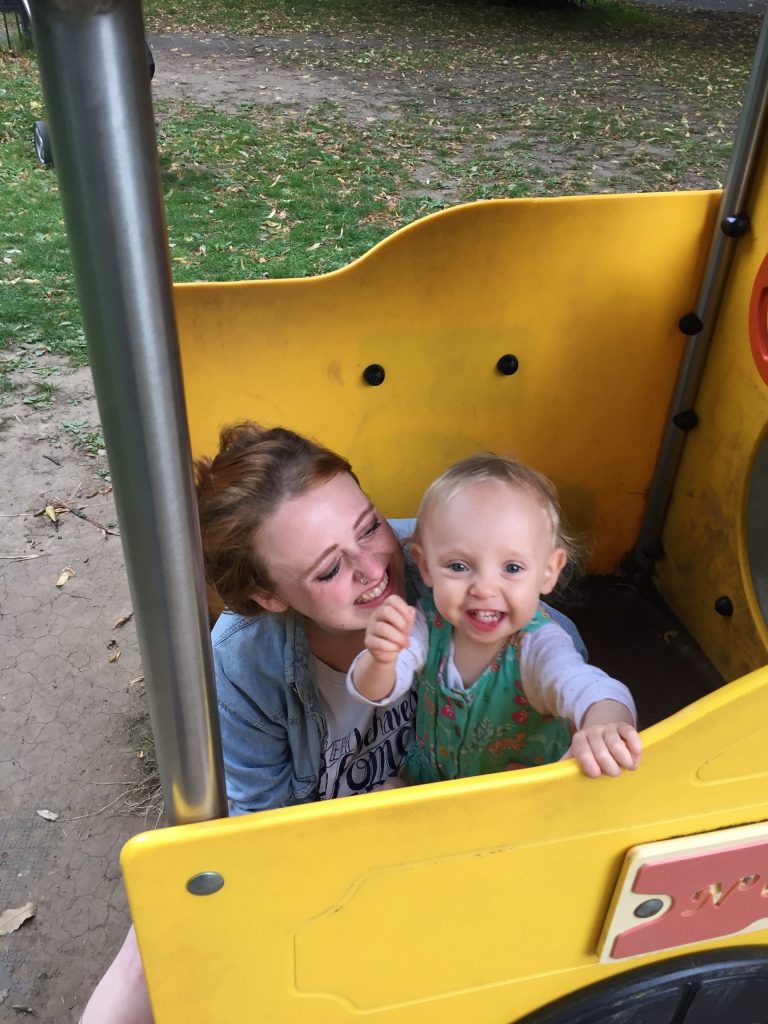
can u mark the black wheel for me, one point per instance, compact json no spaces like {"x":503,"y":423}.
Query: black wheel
{"x":43,"y":144}
{"x":725,"y":986}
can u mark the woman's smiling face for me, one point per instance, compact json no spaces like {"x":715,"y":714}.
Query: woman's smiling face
{"x":331,"y":556}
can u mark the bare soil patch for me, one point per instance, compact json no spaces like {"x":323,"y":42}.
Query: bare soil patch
{"x":226,"y":72}
{"x":68,"y":703}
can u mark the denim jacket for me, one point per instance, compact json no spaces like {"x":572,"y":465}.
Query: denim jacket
{"x":272,"y":725}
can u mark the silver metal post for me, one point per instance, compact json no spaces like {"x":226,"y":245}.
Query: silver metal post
{"x":732,"y":222}
{"x":97,"y":93}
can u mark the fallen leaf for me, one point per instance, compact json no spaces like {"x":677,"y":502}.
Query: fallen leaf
{"x":114,"y":656}
{"x":48,"y":815}
{"x":50,"y":511}
{"x":10,"y":920}
{"x":135,"y":680}
{"x":66,"y":574}
{"x":122,"y":620}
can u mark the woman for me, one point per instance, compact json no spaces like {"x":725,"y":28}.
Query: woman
{"x":300,"y":557}
{"x":287,"y":530}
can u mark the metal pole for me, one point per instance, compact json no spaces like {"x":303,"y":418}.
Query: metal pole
{"x":732,"y":224}
{"x":97,"y":93}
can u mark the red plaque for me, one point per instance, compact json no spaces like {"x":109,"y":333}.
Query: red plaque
{"x":688,"y":890}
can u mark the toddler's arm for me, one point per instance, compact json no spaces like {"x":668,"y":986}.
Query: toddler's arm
{"x":374,"y":672}
{"x":557,"y":681}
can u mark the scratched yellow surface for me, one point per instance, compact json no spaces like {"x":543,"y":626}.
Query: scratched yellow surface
{"x":586,"y":291}
{"x":479,"y":900}
{"x":705,"y":530}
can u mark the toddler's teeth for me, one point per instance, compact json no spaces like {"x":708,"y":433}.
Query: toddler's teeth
{"x":487,"y":616}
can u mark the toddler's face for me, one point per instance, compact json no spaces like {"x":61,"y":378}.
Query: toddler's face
{"x":488,"y":554}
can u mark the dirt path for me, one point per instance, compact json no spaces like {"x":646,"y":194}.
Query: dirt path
{"x":67,"y":709}
{"x":69,"y":695}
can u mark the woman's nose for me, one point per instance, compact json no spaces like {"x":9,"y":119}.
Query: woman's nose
{"x":369,"y":566}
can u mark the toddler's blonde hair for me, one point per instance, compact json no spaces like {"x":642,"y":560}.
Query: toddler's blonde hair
{"x":487,"y":466}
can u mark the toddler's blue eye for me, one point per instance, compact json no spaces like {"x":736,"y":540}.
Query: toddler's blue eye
{"x":513,"y":567}
{"x":457,"y":567}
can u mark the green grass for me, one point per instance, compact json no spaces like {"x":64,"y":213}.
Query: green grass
{"x":37,"y":303}
{"x":42,"y":394}
{"x":84,"y":437}
{"x":241,"y":204}
{"x":486,"y":101}
{"x":382,"y":16}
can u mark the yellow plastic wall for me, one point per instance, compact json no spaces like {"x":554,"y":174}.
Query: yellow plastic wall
{"x":705,"y":531}
{"x":478,"y":900}
{"x":586,"y":292}
{"x":483,"y":899}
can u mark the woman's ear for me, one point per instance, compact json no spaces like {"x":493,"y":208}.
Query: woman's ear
{"x":420,"y":559}
{"x":554,"y":566}
{"x":269,"y":602}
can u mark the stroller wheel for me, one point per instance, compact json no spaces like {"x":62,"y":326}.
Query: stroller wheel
{"x":43,"y":144}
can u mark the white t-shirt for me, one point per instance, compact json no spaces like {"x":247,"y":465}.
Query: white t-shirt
{"x":365,"y":744}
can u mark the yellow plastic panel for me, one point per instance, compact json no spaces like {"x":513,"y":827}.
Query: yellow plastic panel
{"x":586,"y":292}
{"x":704,"y":535}
{"x":477,"y":900}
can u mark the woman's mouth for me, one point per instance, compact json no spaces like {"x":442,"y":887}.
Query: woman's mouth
{"x":374,"y":592}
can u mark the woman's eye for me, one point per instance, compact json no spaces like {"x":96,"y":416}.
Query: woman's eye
{"x":513,"y":567}
{"x":329,"y":575}
{"x":372,"y":528}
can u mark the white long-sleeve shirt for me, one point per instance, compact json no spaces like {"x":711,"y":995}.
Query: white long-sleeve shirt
{"x":554,"y":677}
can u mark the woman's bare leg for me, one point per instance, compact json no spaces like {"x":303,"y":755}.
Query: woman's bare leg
{"x":121,"y":996}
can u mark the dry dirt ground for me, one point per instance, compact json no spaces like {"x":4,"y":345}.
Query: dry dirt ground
{"x":71,"y":690}
{"x":67,"y":710}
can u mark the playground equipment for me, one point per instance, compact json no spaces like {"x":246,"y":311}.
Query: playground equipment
{"x":636,"y":378}
{"x":16,"y":27}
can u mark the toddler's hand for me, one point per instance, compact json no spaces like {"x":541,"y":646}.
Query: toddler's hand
{"x":389,"y":629}
{"x":606,"y":748}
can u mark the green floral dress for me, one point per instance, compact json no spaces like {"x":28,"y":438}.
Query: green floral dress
{"x":485,"y":727}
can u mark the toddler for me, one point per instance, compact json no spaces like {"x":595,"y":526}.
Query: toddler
{"x":500,"y":685}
